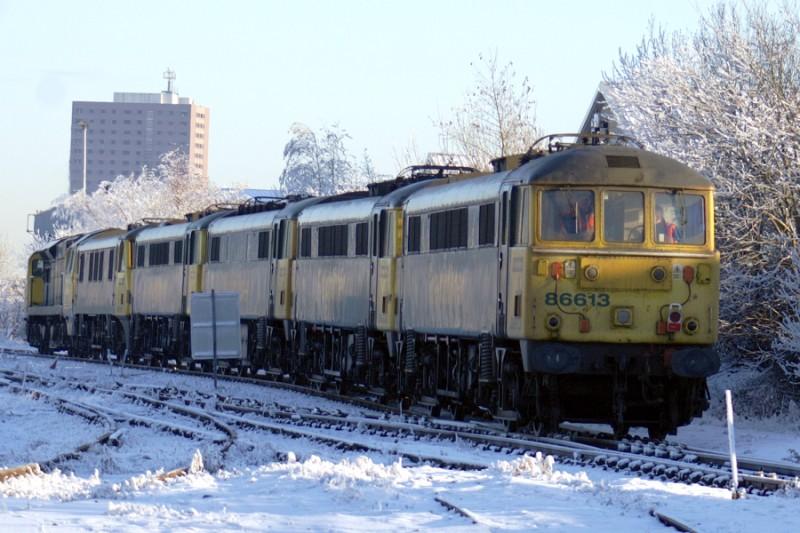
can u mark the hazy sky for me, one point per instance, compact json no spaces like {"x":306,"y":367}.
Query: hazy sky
{"x":383,"y":70}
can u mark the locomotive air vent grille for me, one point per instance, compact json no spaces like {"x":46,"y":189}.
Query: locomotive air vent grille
{"x":622,"y":161}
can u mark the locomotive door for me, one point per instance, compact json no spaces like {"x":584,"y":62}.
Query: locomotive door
{"x":282,"y":275}
{"x":273,"y":259}
{"x":384,"y":305}
{"x":373,"y":269}
{"x":190,"y":255}
{"x":509,"y":202}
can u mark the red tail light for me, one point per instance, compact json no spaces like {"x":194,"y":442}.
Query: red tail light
{"x":674,"y":318}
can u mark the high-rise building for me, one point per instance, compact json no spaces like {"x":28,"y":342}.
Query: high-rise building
{"x":109,"y":139}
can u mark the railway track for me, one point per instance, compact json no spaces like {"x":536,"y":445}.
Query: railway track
{"x":641,"y":457}
{"x":110,"y":436}
{"x":117,"y":416}
{"x":655,"y":460}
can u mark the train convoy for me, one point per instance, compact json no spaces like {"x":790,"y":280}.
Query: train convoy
{"x":578,"y":281}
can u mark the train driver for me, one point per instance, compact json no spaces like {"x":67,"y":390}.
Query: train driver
{"x":665,"y":232}
{"x":577,"y":218}
{"x":568,"y":215}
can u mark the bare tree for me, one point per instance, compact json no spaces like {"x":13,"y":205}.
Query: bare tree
{"x":726,"y":101}
{"x":497,"y":118}
{"x":407,"y":156}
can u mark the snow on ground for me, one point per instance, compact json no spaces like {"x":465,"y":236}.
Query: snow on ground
{"x":773,"y":436}
{"x":279,"y":483}
{"x":26,"y":427}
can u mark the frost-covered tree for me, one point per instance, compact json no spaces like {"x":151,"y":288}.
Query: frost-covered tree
{"x":320,"y":164}
{"x":726,"y":100}
{"x":170,"y":190}
{"x":12,"y":293}
{"x":497,"y":118}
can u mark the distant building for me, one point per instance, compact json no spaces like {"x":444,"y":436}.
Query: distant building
{"x":43,"y":223}
{"x":134,"y":130}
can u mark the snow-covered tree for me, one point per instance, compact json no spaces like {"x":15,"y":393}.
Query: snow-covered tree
{"x":12,"y":293}
{"x":497,"y":118}
{"x":321,"y":165}
{"x":726,"y":100}
{"x":170,"y":190}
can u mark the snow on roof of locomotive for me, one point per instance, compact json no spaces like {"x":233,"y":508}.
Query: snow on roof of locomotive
{"x":162,"y":233}
{"x":615,"y":165}
{"x":463,"y":192}
{"x":249,"y":222}
{"x":100,"y":240}
{"x":339,"y":211}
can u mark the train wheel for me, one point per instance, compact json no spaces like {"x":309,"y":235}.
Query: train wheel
{"x":537,"y":428}
{"x":657,"y":432}
{"x":621,"y":430}
{"x":457,"y":411}
{"x":44,"y":344}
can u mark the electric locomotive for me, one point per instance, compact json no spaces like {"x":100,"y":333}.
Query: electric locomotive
{"x":578,"y":281}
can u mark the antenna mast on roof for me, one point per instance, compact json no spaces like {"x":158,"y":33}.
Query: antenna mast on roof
{"x":169,"y":75}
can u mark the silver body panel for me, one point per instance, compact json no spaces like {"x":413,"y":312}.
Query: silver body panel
{"x":450,"y":292}
{"x":96,"y":297}
{"x":157,"y":290}
{"x":239,"y":269}
{"x":250,"y":279}
{"x":332,"y":291}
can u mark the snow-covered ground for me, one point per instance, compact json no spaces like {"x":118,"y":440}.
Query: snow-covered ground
{"x":270,"y":482}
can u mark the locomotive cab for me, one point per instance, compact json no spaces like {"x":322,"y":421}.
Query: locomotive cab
{"x":613,"y":286}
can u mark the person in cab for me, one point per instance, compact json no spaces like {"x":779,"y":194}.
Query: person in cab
{"x":665,"y":232}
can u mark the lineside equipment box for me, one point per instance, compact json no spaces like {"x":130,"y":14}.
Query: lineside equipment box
{"x":220,"y":310}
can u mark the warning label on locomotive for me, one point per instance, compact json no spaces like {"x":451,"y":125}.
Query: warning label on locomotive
{"x":578,"y":299}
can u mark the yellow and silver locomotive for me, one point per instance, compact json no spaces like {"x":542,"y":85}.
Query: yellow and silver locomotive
{"x":580,"y":285}
{"x":578,"y":281}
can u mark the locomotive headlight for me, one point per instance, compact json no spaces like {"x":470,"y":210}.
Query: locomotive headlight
{"x":658,"y":274}
{"x":591,"y":272}
{"x":623,"y":317}
{"x":553,"y":322}
{"x":691,"y":326}
{"x":570,"y":266}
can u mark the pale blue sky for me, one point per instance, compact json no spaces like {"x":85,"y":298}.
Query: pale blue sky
{"x":383,"y":70}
